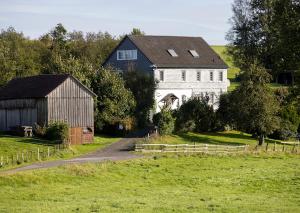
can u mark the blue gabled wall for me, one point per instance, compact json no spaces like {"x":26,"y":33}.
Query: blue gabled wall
{"x":141,"y":64}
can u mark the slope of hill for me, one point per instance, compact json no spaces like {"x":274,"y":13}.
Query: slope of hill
{"x":232,"y":71}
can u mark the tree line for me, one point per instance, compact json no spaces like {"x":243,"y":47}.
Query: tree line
{"x":122,"y":100}
{"x":264,"y":41}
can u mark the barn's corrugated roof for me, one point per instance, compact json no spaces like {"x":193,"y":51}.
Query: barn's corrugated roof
{"x":155,"y":48}
{"x":38,"y":86}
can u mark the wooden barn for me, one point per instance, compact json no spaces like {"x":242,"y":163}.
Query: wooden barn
{"x":43,"y":99}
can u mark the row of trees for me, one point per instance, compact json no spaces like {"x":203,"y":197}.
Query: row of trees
{"x":266,"y":32}
{"x":121,"y":100}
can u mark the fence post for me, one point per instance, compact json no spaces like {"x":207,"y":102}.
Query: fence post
{"x":38,"y":154}
{"x":274,"y":146}
{"x":7,"y":160}
{"x":48,"y":152}
{"x":267,"y":146}
{"x":283,"y":148}
{"x":293,"y":150}
{"x":22,"y":157}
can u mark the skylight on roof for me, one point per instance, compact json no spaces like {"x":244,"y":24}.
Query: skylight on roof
{"x":172,"y":53}
{"x":194,"y":53}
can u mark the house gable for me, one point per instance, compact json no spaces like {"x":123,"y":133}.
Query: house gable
{"x":142,"y":63}
{"x":71,"y":87}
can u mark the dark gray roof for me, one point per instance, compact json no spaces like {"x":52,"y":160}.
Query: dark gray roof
{"x":155,"y":49}
{"x":38,"y":86}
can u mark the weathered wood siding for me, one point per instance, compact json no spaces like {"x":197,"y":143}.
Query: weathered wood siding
{"x":71,"y":102}
{"x":25,"y":112}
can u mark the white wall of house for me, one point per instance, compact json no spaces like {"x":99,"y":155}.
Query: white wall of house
{"x":188,"y":85}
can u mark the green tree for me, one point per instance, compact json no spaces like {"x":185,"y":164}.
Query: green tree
{"x":266,"y":31}
{"x":165,"y":121}
{"x":19,"y":56}
{"x":256,"y":107}
{"x":114,"y":102}
{"x":137,"y":31}
{"x":143,"y":87}
{"x":196,"y":115}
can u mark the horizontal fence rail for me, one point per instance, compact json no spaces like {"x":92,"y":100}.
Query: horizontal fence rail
{"x":26,"y":156}
{"x":188,"y":148}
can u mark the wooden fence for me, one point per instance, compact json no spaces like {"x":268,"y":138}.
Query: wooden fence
{"x":27,"y":156}
{"x":188,"y":148}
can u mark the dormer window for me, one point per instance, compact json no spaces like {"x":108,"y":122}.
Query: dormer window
{"x":126,"y":55}
{"x":194,"y":53}
{"x":172,"y":53}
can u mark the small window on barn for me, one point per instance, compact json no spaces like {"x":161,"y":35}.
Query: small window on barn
{"x":126,"y":55}
{"x":172,"y":53}
{"x":87,"y":130}
{"x":194,"y":53}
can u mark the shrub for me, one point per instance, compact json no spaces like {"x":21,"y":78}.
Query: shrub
{"x":196,"y":115}
{"x":58,"y":131}
{"x":39,"y":131}
{"x":165,"y":122}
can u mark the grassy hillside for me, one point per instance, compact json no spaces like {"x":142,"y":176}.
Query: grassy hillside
{"x":164,"y":184}
{"x":232,"y":71}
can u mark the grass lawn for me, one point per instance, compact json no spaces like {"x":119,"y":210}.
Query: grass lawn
{"x":227,"y":138}
{"x":13,"y":145}
{"x":176,"y":183}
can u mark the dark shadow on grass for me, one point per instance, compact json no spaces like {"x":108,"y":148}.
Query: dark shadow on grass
{"x":32,"y":140}
{"x":207,"y":140}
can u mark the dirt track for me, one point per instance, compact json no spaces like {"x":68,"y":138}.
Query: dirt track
{"x":117,"y":151}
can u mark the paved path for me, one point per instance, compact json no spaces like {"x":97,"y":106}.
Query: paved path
{"x":117,"y":151}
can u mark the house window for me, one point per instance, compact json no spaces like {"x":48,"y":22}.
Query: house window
{"x":211,"y":76}
{"x":221,"y":76}
{"x":194,"y":53}
{"x":198,"y":76}
{"x":212,"y":98}
{"x":126,"y":55}
{"x":183,"y":75}
{"x":161,"y":76}
{"x":183,"y":97}
{"x":172,"y":53}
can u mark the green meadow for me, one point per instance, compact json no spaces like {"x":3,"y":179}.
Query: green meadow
{"x":173,"y":183}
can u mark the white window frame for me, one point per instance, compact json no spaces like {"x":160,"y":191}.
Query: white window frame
{"x":172,"y":53}
{"x":194,"y":53}
{"x":183,"y":75}
{"x":221,"y":76}
{"x":211,"y":76}
{"x":161,"y":75}
{"x":126,"y":55}
{"x":198,"y":76}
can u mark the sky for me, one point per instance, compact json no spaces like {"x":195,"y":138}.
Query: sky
{"x":206,"y":18}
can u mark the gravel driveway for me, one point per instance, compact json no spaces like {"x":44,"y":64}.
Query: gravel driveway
{"x":119,"y":150}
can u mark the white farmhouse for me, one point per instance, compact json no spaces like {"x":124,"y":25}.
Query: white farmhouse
{"x":185,"y":67}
